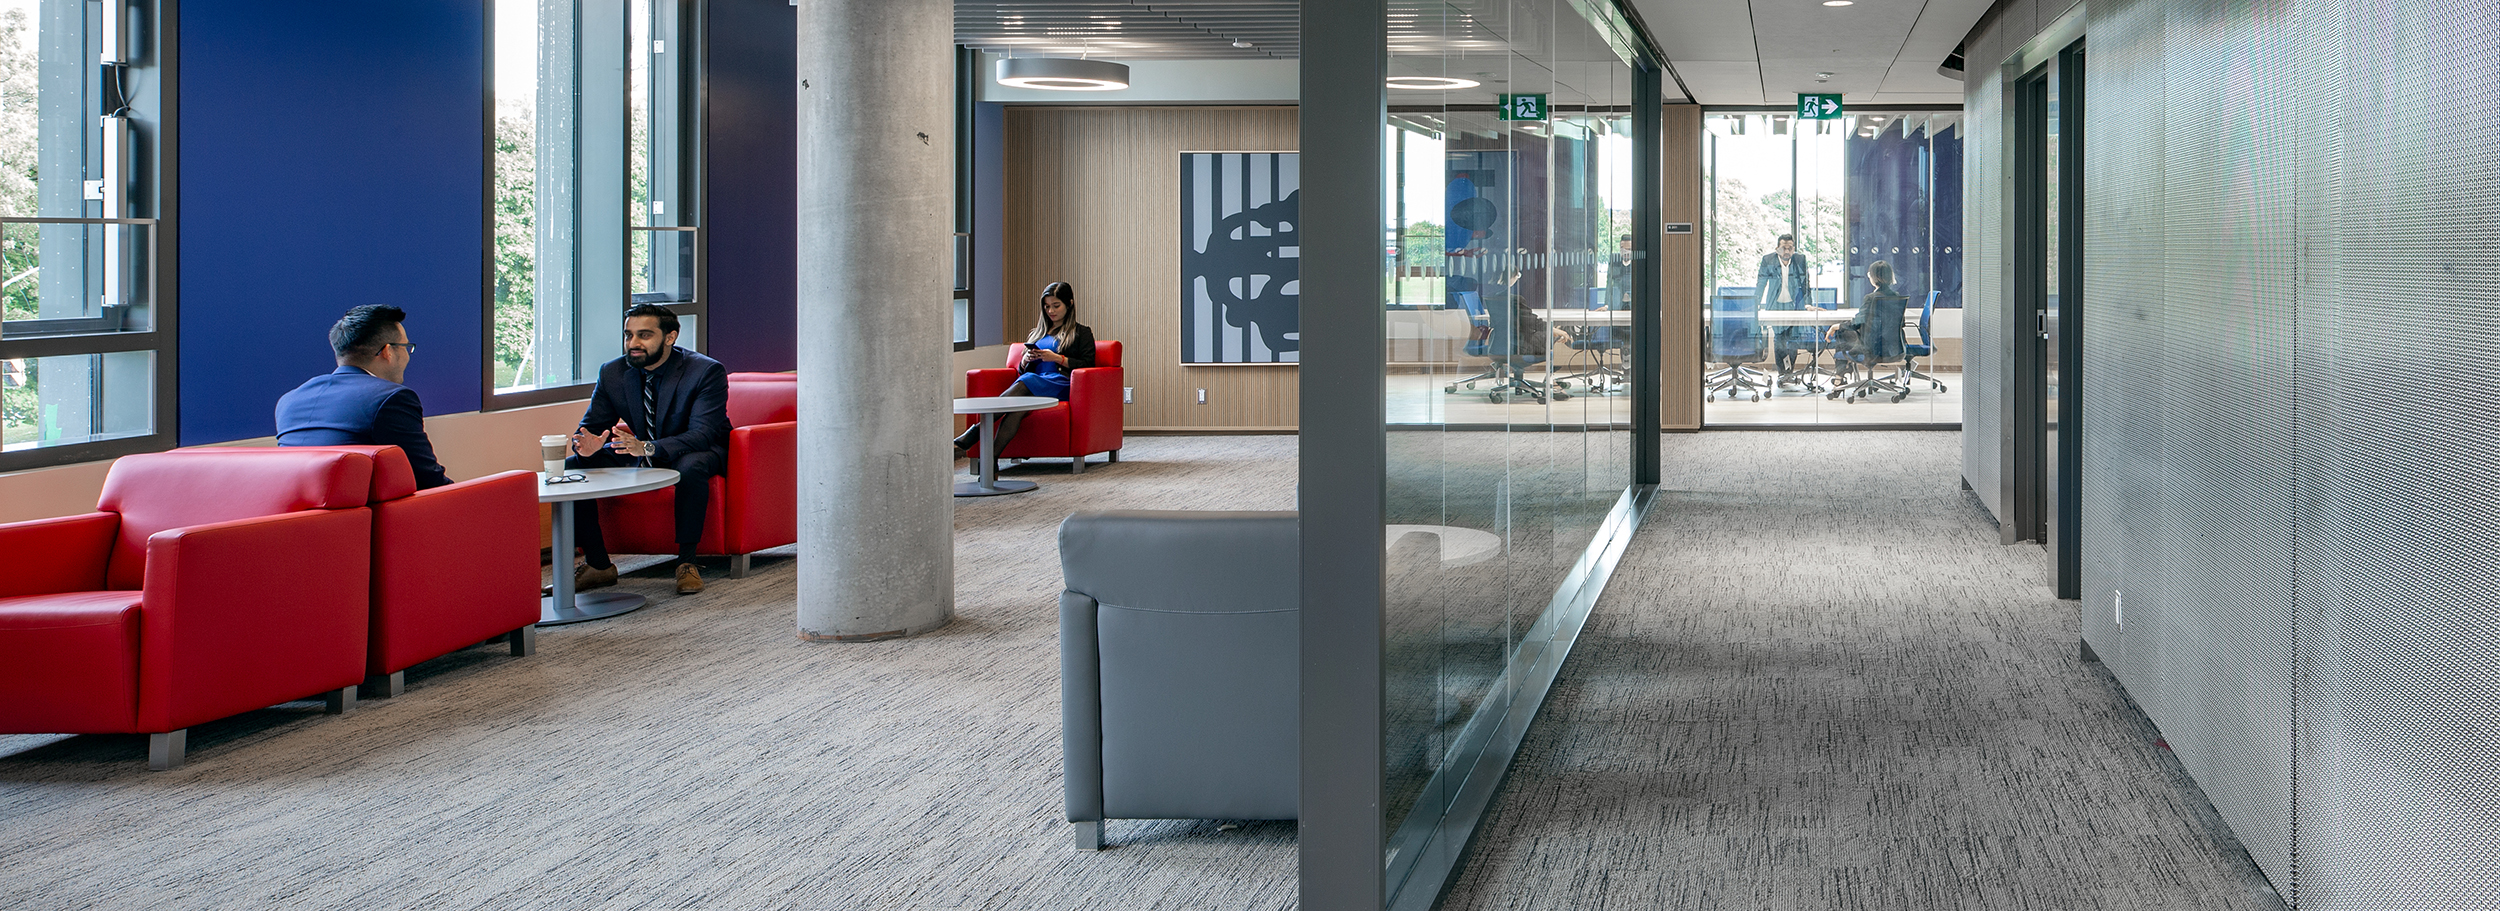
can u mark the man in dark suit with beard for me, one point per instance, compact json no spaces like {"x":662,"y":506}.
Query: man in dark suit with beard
{"x":661,"y":406}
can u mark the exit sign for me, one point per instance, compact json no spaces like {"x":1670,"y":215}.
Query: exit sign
{"x":1818,"y":107}
{"x":1523,"y":107}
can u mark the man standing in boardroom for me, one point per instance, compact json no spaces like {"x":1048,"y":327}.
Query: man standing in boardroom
{"x":362,"y":403}
{"x":1780,"y":284}
{"x":660,"y":406}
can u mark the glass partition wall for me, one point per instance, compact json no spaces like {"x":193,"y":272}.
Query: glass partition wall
{"x":1847,"y":199}
{"x":1510,"y":261}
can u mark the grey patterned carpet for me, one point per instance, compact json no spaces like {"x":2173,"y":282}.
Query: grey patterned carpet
{"x":693,"y":754}
{"x":1816,"y":683}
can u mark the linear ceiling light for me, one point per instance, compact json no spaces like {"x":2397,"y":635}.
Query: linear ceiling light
{"x":1062,"y":74}
{"x":1431,"y":83}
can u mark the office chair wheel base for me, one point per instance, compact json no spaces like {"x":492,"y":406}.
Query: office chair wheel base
{"x":1560,"y":395}
{"x":1451,"y":388}
{"x":1939,"y":387}
{"x":1897,"y":399}
{"x":1497,"y":396}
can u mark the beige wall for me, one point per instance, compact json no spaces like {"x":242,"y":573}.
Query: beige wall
{"x":469,"y":444}
{"x":1093,"y":199}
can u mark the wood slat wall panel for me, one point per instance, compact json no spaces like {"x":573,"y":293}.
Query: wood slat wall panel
{"x":1679,"y":271}
{"x":1093,"y":199}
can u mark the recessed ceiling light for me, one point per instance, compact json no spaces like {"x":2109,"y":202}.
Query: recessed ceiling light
{"x":1839,"y":2}
{"x":1243,"y":44}
{"x":1431,"y":83}
{"x":1822,"y":75}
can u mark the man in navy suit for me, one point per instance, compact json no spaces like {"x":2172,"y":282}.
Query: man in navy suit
{"x":661,"y":406}
{"x":362,"y":402}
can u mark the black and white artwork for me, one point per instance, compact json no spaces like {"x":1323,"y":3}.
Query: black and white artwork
{"x":1241,"y":267}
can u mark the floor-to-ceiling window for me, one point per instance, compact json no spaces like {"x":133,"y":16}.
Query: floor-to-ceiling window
{"x":85,"y":337}
{"x":1814,"y":225}
{"x":1511,"y":275}
{"x":593,"y":191}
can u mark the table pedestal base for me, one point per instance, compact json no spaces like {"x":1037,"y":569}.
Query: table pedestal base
{"x":592,"y":606}
{"x":994,"y":488}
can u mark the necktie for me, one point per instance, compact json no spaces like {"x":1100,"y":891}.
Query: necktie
{"x":650,"y":408}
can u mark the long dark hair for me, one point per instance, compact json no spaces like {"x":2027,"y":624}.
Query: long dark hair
{"x":1066,"y":329}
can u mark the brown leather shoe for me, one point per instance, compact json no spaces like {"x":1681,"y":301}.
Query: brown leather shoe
{"x":689,"y":579}
{"x":587,"y":577}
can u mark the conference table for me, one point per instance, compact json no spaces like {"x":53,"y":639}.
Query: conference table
{"x":566,"y":605}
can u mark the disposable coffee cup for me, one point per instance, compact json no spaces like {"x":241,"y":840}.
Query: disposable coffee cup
{"x":551,"y":449}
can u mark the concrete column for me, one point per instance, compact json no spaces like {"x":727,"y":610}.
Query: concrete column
{"x":875,"y":337}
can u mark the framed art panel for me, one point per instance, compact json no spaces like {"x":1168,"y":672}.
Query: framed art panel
{"x":1240,"y":258}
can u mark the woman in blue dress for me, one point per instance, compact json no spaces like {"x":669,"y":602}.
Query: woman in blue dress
{"x":1058,"y":344}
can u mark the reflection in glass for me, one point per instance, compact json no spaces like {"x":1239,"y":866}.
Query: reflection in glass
{"x":1508,"y":293}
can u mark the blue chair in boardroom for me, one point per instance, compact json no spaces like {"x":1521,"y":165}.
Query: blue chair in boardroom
{"x":1735,"y":342}
{"x":1879,"y":342}
{"x":1926,"y":346}
{"x":1479,"y":338}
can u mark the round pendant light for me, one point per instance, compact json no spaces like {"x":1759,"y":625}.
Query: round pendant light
{"x":1062,"y":74}
{"x":1431,"y":83}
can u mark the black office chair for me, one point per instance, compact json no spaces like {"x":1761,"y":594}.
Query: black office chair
{"x":1735,"y":341}
{"x":1879,"y":342}
{"x":1605,"y":343}
{"x":1926,"y":346}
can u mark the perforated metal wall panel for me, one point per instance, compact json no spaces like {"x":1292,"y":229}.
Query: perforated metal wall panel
{"x":2400,"y":715}
{"x":2122,"y":376}
{"x":2286,"y":471}
{"x":1984,"y":374}
{"x":2225,"y":619}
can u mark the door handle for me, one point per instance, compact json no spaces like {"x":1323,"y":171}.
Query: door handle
{"x":2042,"y":324}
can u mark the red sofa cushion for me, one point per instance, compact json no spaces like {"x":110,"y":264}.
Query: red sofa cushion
{"x":1106,"y":354}
{"x":762,"y":402}
{"x":157,"y":491}
{"x":69,"y":662}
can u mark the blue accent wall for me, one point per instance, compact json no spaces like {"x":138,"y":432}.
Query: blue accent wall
{"x":750,"y":183}
{"x":331,"y":154}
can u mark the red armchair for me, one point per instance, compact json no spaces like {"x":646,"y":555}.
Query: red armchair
{"x":452,"y":567}
{"x":754,"y":503}
{"x":1088,"y":422}
{"x":204,"y":585}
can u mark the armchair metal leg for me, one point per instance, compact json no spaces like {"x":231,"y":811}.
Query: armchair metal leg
{"x":524,"y":641}
{"x":1088,"y":835}
{"x":1115,"y":455}
{"x":338,"y":701}
{"x":387,"y":686}
{"x":740,"y":565}
{"x":165,"y":750}
{"x":1076,"y":465}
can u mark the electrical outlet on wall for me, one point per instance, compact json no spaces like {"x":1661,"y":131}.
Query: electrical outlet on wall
{"x":2118,"y":607}
{"x":1202,"y":396}
{"x":1128,"y":395}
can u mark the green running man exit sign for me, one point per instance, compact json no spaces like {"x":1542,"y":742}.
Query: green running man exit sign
{"x":1523,"y":107}
{"x":1818,"y":107}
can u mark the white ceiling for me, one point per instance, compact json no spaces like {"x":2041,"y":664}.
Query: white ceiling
{"x":1733,"y":52}
{"x":1769,"y":51}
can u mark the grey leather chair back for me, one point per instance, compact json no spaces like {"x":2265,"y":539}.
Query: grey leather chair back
{"x":1180,"y":663}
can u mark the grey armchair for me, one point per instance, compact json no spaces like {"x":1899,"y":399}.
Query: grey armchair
{"x":1179,"y":666}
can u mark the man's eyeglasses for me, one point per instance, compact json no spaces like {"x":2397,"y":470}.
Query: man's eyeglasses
{"x":412,"y":349}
